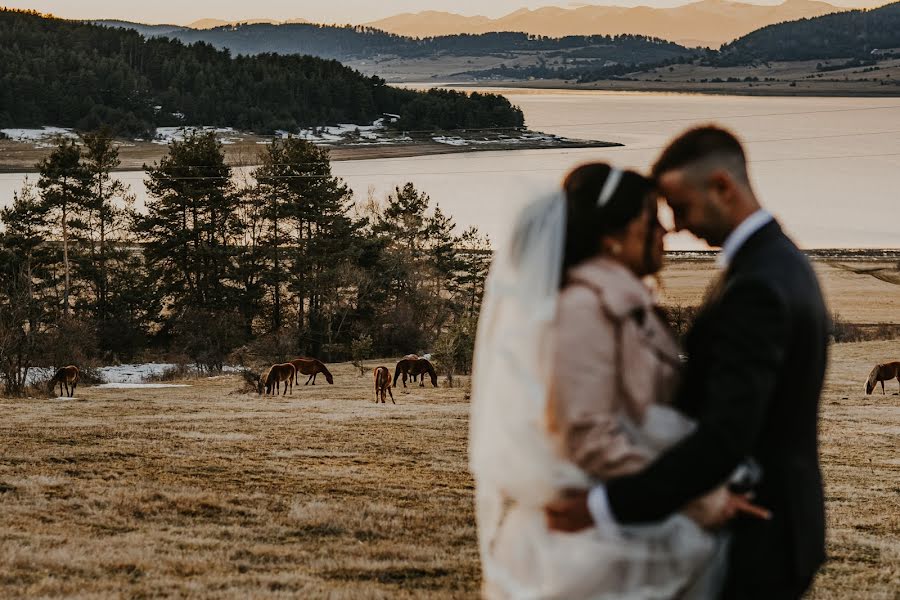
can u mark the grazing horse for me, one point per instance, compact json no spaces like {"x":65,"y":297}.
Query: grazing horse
{"x":65,"y":376}
{"x":882,"y":373}
{"x":420,"y":366}
{"x":312,"y":367}
{"x":412,"y":357}
{"x":278,"y":373}
{"x":383,"y":384}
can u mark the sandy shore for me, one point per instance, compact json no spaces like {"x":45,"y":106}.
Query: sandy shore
{"x":782,"y":88}
{"x":20,"y":157}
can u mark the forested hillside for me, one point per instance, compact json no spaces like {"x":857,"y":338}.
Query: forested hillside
{"x":353,"y":43}
{"x":853,"y":34}
{"x":74,"y":74}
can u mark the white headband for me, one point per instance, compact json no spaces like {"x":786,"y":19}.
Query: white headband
{"x":610,"y":186}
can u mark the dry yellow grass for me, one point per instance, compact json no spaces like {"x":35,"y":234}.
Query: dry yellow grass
{"x":858,"y":296}
{"x":860,"y":435}
{"x":199,"y":492}
{"x":204,"y":492}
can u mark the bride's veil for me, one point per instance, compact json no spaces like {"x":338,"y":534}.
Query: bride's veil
{"x":511,"y":454}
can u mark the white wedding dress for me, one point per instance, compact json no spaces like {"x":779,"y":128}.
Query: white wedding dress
{"x":518,"y":469}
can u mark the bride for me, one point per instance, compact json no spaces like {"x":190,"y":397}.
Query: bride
{"x":574,"y":370}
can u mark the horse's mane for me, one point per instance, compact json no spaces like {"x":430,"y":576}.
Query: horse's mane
{"x":873,"y":375}
{"x":428,"y":366}
{"x":322,"y":366}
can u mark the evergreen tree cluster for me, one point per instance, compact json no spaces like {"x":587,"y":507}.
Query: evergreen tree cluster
{"x":74,"y":74}
{"x":851,"y":34}
{"x":218,"y":268}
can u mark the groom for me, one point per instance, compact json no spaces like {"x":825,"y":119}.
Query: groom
{"x":757,"y":356}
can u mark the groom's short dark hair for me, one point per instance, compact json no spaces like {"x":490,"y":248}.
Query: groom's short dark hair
{"x":700,"y":145}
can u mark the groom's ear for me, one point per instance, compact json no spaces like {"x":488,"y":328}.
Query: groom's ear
{"x":722,"y":186}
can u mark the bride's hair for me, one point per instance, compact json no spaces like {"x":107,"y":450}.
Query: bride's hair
{"x":586,"y":221}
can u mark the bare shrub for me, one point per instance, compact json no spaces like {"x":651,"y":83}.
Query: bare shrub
{"x":70,"y":341}
{"x":268,"y":349}
{"x":680,"y":318}
{"x":174,"y":373}
{"x":454,"y":349}
{"x":252,"y":382}
{"x":843,"y":331}
{"x":208,"y":337}
{"x":360,"y":349}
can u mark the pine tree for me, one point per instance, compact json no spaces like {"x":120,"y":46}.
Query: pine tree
{"x":311,"y":237}
{"x":105,"y":224}
{"x":24,"y":310}
{"x":65,"y":185}
{"x":474,"y":252}
{"x":190,"y":227}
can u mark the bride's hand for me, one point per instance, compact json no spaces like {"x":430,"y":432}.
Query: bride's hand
{"x":720,"y":506}
{"x":569,"y":513}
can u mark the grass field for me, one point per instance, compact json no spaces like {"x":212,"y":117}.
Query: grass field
{"x":210,"y":492}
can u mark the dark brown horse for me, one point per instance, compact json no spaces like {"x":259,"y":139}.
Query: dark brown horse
{"x":882,"y":373}
{"x":383,"y":384}
{"x":275,"y":376}
{"x":65,"y":376}
{"x":407,"y":368}
{"x":412,"y":357}
{"x":312,"y":367}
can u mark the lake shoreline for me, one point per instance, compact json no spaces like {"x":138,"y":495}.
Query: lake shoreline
{"x":22,"y":157}
{"x":805,"y":89}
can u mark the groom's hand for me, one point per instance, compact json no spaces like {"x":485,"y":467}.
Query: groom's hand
{"x":570,"y":513}
{"x":718,"y":507}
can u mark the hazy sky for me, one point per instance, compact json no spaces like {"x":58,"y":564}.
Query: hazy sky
{"x":329,"y":11}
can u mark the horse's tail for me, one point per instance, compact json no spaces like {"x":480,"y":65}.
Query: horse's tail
{"x":400,"y":367}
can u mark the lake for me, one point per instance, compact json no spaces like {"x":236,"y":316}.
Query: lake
{"x":829,"y":168}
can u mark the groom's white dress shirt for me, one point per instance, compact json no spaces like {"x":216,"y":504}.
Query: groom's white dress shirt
{"x":597,"y":500}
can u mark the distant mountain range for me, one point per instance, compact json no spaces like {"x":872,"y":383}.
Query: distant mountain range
{"x":851,"y":34}
{"x":704,"y":23}
{"x":707,"y":23}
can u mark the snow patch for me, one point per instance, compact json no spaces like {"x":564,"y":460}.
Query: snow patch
{"x":140,"y":386}
{"x":167,"y":135}
{"x":133,"y":373}
{"x":36,"y":135}
{"x":450,"y":141}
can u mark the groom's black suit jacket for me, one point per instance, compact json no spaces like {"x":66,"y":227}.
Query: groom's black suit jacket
{"x":756,"y":361}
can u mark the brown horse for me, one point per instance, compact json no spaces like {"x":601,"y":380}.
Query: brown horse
{"x":882,"y":373}
{"x":413,"y":358}
{"x":277,"y":374}
{"x":414,"y":368}
{"x":65,"y":376}
{"x":312,"y":367}
{"x":383,"y":384}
